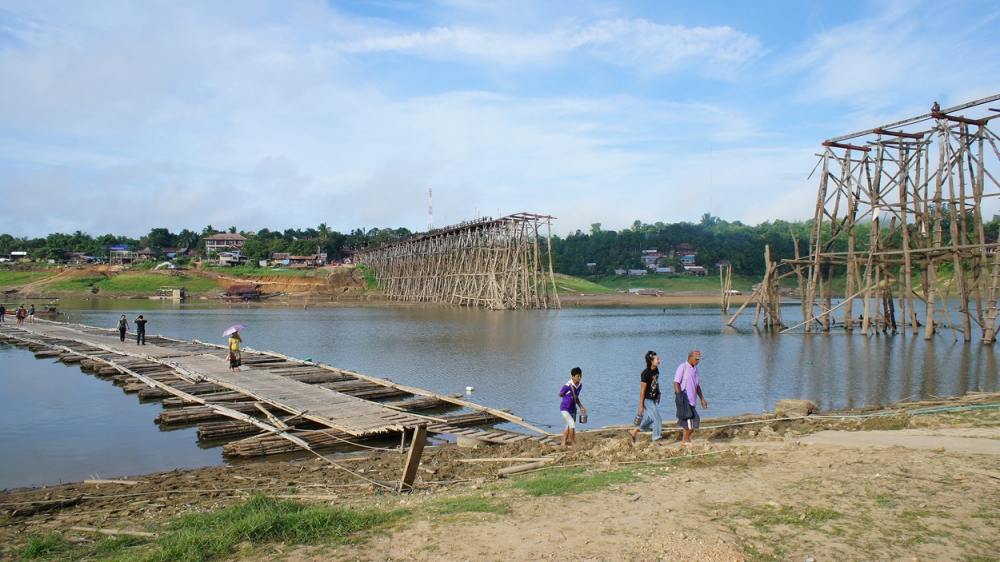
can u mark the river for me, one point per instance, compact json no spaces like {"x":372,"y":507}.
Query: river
{"x":59,"y":424}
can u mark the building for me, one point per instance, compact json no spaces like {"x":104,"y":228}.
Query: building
{"x":313,"y":260}
{"x":620,"y":271}
{"x":637,"y":272}
{"x":650,"y":258}
{"x":695,"y":270}
{"x":121,"y":255}
{"x":280,"y":258}
{"x":230,"y":258}
{"x":665,"y":270}
{"x":224,"y":241}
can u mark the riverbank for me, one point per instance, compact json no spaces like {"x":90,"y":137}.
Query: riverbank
{"x":330,"y":286}
{"x":916,"y":480}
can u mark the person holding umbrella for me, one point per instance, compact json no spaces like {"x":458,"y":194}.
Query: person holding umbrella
{"x":233,"y":356}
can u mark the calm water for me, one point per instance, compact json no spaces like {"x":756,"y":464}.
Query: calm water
{"x":63,"y":424}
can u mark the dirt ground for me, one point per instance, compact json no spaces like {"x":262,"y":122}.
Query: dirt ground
{"x":853,"y":488}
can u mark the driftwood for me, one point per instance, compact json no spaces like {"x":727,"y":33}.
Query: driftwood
{"x":115,"y":532}
{"x":517,"y":469}
{"x":121,"y":482}
{"x":45,"y":507}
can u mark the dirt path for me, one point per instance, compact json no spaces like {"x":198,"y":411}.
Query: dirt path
{"x":983,"y":441}
{"x":787,"y":501}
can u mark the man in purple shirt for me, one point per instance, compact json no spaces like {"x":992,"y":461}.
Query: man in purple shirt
{"x":570,"y":394}
{"x":688,"y":380}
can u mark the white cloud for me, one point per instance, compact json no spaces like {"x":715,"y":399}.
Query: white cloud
{"x":630,"y":43}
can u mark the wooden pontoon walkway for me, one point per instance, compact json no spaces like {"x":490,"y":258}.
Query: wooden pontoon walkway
{"x":272,"y":392}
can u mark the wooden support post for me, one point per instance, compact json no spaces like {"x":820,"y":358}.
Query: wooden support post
{"x":413,"y":458}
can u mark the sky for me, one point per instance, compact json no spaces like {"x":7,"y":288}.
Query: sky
{"x":120,"y":116}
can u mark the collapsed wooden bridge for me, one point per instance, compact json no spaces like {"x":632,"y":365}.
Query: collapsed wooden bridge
{"x":275,"y":404}
{"x":900,"y":215}
{"x":488,"y":263}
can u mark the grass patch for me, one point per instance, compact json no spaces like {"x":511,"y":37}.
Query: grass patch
{"x":18,"y":278}
{"x":674,"y":283}
{"x":556,"y":482}
{"x":885,"y":423}
{"x":44,"y":547}
{"x":885,"y":500}
{"x":766,"y":516}
{"x":371,"y":283}
{"x":224,"y":533}
{"x":469,"y":504}
{"x":259,"y":271}
{"x":572,"y":284}
{"x":150,"y":283}
{"x":75,"y":283}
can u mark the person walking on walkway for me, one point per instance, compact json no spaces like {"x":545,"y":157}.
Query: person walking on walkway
{"x":570,"y":394}
{"x":140,"y":330}
{"x":234,"y":356}
{"x":31,"y":314}
{"x":649,"y":399}
{"x":687,"y":379}
{"x":122,"y":328}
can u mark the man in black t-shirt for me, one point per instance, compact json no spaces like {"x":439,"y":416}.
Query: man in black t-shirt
{"x":649,"y":399}
{"x":140,"y":330}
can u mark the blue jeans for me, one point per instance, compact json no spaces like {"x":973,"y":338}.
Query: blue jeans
{"x":651,"y":416}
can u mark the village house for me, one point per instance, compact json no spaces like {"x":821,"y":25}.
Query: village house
{"x":313,"y":260}
{"x":121,"y":254}
{"x":222,"y":242}
{"x":230,"y":258}
{"x":650,"y":258}
{"x":695,"y":270}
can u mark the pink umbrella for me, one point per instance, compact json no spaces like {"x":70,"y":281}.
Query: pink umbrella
{"x":233,"y":329}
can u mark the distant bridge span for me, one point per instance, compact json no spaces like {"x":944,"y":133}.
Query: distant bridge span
{"x":497,"y":264}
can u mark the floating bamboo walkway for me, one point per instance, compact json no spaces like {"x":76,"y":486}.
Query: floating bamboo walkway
{"x":274,"y":405}
{"x":899,"y":215}
{"x":489,"y":263}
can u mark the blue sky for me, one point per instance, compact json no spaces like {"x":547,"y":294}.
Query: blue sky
{"x":121,"y":116}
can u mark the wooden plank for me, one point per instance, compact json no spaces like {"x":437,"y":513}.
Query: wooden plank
{"x":413,"y":458}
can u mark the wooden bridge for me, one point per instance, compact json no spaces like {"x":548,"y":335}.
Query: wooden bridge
{"x":491,"y":263}
{"x":275,"y":404}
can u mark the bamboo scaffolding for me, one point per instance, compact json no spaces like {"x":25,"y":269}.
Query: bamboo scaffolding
{"x":912,"y":195}
{"x":491,"y":263}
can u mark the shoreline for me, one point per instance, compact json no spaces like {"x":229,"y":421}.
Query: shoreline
{"x":726,"y":487}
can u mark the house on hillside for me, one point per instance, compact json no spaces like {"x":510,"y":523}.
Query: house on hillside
{"x":650,"y":258}
{"x":695,"y":270}
{"x":637,"y":272}
{"x":230,"y":258}
{"x":121,"y":254}
{"x":666,"y":270}
{"x":313,"y":260}
{"x":222,"y":242}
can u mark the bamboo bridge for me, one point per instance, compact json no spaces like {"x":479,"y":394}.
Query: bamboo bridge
{"x":490,"y":263}
{"x":275,"y":404}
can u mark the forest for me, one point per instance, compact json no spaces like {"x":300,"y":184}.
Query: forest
{"x":712,"y":238}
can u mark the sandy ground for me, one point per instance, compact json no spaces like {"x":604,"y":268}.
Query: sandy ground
{"x":830,"y":489}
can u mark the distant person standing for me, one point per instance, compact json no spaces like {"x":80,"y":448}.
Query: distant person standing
{"x":570,"y":394}
{"x":687,"y":379}
{"x":122,"y":327}
{"x":234,"y":356}
{"x":649,"y":399}
{"x":20,"y":314}
{"x":31,"y":314}
{"x":3,"y":313}
{"x":140,"y":330}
